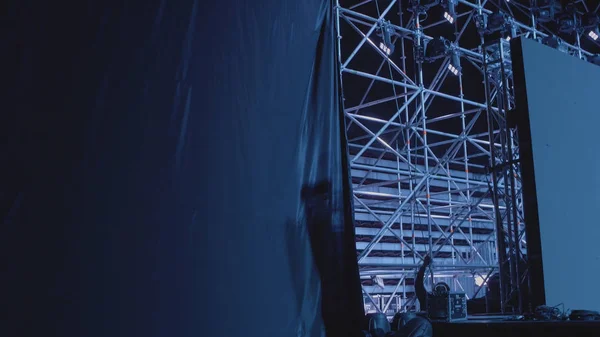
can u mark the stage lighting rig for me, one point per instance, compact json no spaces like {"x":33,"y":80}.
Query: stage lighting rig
{"x":552,"y":41}
{"x":441,"y":47}
{"x":449,"y":10}
{"x":387,"y":31}
{"x":555,"y":42}
{"x":454,"y":65}
{"x":481,"y":22}
{"x":546,"y":10}
{"x":590,"y":23}
{"x":510,"y":33}
{"x":497,"y":22}
{"x":568,"y":19}
{"x":498,"y":25}
{"x":436,"y":48}
{"x":567,"y":24}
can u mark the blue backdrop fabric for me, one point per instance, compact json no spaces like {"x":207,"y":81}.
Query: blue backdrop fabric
{"x":176,"y":168}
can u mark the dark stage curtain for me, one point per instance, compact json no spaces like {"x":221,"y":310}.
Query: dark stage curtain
{"x":175,"y":168}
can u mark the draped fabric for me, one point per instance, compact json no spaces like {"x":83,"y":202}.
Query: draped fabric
{"x":175,"y":168}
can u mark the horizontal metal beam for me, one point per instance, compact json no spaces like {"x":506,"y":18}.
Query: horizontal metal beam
{"x":364,"y":216}
{"x":399,"y":262}
{"x":474,"y":137}
{"x":387,"y":174}
{"x":418,"y":247}
{"x":365,"y":231}
{"x":451,"y":197}
{"x":419,"y":156}
{"x":388,"y":289}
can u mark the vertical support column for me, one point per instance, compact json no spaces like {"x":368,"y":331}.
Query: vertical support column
{"x":425,"y":144}
{"x":407,"y":138}
{"x":499,"y":228}
{"x":451,"y":213}
{"x":501,"y":168}
{"x":510,"y":162}
{"x":466,"y":156}
{"x":339,"y":37}
{"x":579,"y":53}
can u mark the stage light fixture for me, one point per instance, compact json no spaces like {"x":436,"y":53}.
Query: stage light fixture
{"x":499,"y":26}
{"x":567,"y":24}
{"x":512,"y":32}
{"x":509,"y":30}
{"x":481,"y":22}
{"x":554,"y":42}
{"x":436,"y":48}
{"x":386,"y":33}
{"x":384,"y":48}
{"x":496,"y":21}
{"x":547,"y":10}
{"x":454,"y":65}
{"x":448,"y":17}
{"x":590,"y":22}
{"x":450,"y":10}
{"x":453,"y":69}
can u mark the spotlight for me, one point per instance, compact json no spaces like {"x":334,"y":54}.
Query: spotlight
{"x":386,"y":32}
{"x":449,"y":17}
{"x":453,"y":69}
{"x":385,"y":49}
{"x":553,"y":41}
{"x":506,"y":33}
{"x":499,"y":26}
{"x":547,"y":9}
{"x":567,"y":24}
{"x":454,"y":65}
{"x":512,"y":33}
{"x":496,"y":22}
{"x":590,"y":22}
{"x":436,"y":48}
{"x":481,"y":21}
{"x":450,"y":7}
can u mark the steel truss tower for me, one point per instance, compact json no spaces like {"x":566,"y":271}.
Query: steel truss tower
{"x":434,"y":157}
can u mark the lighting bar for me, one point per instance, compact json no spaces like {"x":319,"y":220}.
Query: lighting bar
{"x":453,"y":69}
{"x":385,"y":49}
{"x":593,"y":35}
{"x":448,"y":17}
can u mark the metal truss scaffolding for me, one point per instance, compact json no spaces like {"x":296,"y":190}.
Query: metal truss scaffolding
{"x":434,"y":158}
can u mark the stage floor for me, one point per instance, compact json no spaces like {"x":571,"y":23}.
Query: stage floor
{"x":497,"y":328}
